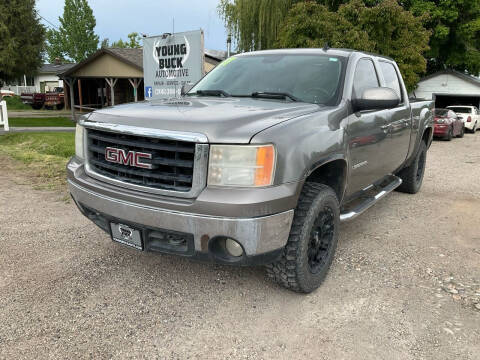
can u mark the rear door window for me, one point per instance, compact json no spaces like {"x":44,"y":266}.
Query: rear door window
{"x":365,"y":77}
{"x":391,"y":78}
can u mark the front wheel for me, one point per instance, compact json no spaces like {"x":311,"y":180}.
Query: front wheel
{"x":450,"y":134}
{"x":313,"y":239}
{"x":462,"y":132}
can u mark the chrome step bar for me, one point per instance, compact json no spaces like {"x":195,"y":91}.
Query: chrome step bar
{"x":369,"y":201}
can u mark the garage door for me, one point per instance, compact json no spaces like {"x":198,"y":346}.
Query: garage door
{"x":442,"y":101}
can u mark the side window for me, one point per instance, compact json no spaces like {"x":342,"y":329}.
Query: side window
{"x":365,"y":77}
{"x":391,"y":78}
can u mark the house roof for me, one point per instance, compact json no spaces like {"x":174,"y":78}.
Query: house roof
{"x":54,"y":68}
{"x":132,"y":57}
{"x":471,"y":79}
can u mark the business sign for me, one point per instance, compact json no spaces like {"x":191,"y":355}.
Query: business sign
{"x":170,"y":61}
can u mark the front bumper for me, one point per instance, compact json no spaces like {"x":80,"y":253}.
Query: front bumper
{"x":469,"y":125}
{"x":262,"y":237}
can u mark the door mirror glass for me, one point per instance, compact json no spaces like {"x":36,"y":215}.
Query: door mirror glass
{"x":377,"y":98}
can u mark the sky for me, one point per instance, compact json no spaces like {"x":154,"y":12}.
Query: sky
{"x":117,"y":18}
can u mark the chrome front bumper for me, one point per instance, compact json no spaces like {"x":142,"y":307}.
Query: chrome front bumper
{"x":257,"y":235}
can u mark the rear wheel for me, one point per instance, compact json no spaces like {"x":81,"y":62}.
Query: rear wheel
{"x":59,"y":106}
{"x":450,"y":134}
{"x":313,"y":238}
{"x":412,"y":176}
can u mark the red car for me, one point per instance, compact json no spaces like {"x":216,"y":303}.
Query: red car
{"x":447,"y":124}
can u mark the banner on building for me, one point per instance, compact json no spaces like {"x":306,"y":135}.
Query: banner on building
{"x":170,"y":61}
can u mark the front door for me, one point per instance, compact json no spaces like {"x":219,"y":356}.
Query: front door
{"x":367,"y":133}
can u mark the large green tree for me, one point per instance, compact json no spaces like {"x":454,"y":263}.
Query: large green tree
{"x":22,"y":38}
{"x":134,"y":41}
{"x":75,"y":39}
{"x":385,"y":28}
{"x":455,"y":40}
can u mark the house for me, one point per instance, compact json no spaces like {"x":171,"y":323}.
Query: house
{"x":46,"y":78}
{"x":113,"y":76}
{"x":450,"y":87}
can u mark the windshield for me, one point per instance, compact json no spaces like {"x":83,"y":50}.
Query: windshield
{"x":462,"y":110}
{"x":308,"y":78}
{"x":440,"y":112}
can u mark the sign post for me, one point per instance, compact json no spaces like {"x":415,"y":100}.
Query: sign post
{"x":171,"y":61}
{"x":4,"y":115}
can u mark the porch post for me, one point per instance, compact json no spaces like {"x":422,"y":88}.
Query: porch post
{"x":111,"y":82}
{"x":71,"y":82}
{"x":135,"y":82}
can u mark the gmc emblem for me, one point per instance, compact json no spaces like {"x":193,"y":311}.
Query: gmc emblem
{"x":132,"y":158}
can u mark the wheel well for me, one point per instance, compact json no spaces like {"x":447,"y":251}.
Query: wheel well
{"x":332,"y":174}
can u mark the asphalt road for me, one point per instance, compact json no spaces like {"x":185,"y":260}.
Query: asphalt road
{"x":405,"y":283}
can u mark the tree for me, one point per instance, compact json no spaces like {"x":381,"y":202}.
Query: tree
{"x":386,"y":29}
{"x":22,"y":39}
{"x":76,"y":38}
{"x":133,"y":42}
{"x":455,"y":26}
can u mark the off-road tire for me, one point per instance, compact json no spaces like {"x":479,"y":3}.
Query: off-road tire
{"x":412,"y":176}
{"x":293,"y":270}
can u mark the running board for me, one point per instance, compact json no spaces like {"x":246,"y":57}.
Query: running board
{"x":371,"y":195}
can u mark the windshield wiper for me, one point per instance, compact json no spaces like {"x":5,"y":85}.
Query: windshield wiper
{"x":212,"y":93}
{"x":274,"y":95}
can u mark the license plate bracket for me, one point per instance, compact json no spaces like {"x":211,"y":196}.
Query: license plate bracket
{"x":126,"y":235}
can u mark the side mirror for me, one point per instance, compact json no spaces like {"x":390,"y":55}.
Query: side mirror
{"x":378,"y":98}
{"x":185,"y":89}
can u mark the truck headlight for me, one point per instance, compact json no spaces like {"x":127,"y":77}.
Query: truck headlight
{"x":241,"y":165}
{"x":79,"y":130}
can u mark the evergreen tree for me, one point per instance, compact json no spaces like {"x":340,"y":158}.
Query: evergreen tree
{"x":22,"y":39}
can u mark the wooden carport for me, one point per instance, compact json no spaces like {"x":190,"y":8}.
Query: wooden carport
{"x":106,"y":78}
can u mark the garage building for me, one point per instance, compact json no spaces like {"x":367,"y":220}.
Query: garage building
{"x":450,"y":87}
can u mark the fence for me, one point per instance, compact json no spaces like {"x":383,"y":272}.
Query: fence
{"x":17,"y":89}
{"x":4,"y":115}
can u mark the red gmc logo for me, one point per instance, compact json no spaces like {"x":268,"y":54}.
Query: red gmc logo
{"x":132,"y":158}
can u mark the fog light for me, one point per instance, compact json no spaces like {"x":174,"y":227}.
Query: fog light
{"x":233,"y":247}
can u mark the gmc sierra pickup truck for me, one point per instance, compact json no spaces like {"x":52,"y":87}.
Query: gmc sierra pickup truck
{"x":258,"y":163}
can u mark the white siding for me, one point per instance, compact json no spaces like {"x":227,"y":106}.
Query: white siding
{"x":446,"y":84}
{"x":51,"y":79}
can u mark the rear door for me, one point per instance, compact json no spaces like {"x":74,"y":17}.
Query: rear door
{"x":399,"y":119}
{"x":367,"y":132}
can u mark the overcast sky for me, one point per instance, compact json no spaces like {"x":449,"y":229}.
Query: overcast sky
{"x":117,"y":18}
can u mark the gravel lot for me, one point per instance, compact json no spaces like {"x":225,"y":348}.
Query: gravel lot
{"x":405,"y":283}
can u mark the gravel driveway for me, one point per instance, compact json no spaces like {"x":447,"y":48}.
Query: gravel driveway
{"x":405,"y":283}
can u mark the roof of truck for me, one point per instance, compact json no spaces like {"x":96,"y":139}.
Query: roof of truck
{"x":310,"y":51}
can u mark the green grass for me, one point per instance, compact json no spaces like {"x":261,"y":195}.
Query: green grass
{"x":44,"y":154}
{"x":15,"y":103}
{"x":37,"y":122}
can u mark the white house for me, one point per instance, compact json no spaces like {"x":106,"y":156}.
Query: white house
{"x":450,"y":87}
{"x":47,"y":79}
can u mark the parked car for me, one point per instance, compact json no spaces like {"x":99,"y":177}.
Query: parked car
{"x":6,"y":93}
{"x":447,"y":124}
{"x":258,"y":163}
{"x":55,"y":99}
{"x":35,"y":100}
{"x":469,"y":114}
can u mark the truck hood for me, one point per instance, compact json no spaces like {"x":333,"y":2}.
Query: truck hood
{"x":222,"y":120}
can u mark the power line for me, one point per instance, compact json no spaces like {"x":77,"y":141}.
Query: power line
{"x":54,"y":26}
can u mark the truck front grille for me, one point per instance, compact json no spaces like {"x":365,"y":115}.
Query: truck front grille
{"x":172,"y":161}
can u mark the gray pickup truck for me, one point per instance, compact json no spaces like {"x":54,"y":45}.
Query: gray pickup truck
{"x":258,"y":163}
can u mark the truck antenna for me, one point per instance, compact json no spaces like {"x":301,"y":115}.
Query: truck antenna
{"x":325,"y":47}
